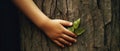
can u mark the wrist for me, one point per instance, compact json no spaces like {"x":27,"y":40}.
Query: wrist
{"x":44,"y":23}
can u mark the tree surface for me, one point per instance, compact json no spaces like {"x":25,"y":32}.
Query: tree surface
{"x":100,"y":18}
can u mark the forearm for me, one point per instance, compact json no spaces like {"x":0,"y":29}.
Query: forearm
{"x":32,"y":11}
{"x":54,"y":29}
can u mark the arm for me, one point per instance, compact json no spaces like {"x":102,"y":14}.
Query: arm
{"x":54,"y":29}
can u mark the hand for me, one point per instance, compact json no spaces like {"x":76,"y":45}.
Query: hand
{"x":56,"y":31}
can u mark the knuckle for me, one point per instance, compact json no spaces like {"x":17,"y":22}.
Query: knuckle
{"x":58,"y":43}
{"x":73,"y":40}
{"x":68,"y":43}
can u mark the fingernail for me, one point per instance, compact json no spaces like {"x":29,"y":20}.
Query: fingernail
{"x":70,"y":44}
{"x":71,"y":23}
{"x":75,"y":40}
{"x":63,"y":46}
{"x":75,"y":35}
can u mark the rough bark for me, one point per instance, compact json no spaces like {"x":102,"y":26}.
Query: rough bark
{"x":100,"y":18}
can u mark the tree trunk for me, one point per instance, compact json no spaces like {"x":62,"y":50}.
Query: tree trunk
{"x":100,"y":18}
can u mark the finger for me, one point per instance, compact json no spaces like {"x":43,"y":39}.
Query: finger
{"x":64,"y":41}
{"x":65,"y":23}
{"x":69,"y":33}
{"x":58,"y":43}
{"x":68,"y":38}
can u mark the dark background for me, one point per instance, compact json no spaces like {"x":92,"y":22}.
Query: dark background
{"x":9,"y":27}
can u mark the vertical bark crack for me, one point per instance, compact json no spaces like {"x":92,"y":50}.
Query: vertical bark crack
{"x":67,"y":7}
{"x":98,"y":4}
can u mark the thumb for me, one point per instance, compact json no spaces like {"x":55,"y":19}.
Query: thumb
{"x":65,"y":23}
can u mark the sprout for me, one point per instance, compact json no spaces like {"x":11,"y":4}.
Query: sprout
{"x":75,"y":28}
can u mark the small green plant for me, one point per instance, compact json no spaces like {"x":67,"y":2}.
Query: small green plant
{"x":75,"y":28}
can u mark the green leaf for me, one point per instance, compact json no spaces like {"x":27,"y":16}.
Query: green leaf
{"x":76,"y":23}
{"x":75,"y":28}
{"x":79,"y":31}
{"x":71,"y":29}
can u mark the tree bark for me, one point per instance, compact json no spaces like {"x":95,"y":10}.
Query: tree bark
{"x":100,"y":18}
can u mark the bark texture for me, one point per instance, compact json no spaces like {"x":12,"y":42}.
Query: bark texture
{"x":100,"y":18}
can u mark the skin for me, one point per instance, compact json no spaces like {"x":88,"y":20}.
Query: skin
{"x":54,"y":29}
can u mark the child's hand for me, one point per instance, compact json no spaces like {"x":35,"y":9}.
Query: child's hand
{"x":56,"y":31}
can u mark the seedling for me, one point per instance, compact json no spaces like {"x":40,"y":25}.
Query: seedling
{"x":76,"y":28}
